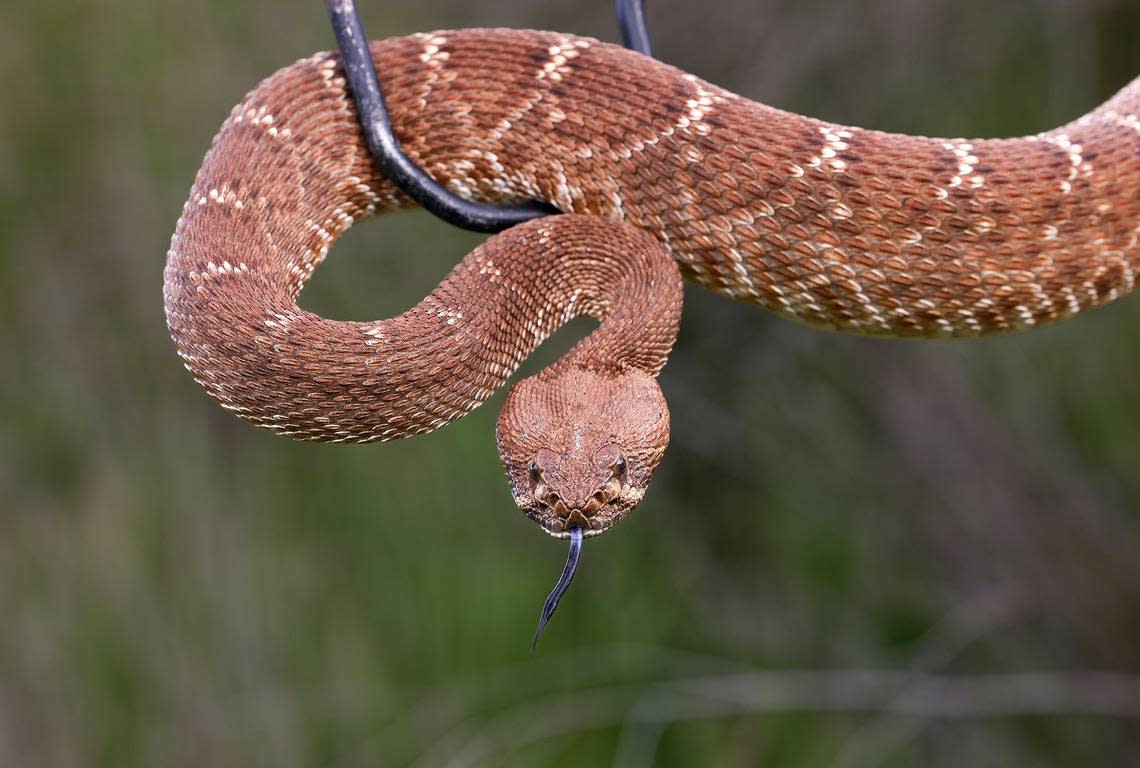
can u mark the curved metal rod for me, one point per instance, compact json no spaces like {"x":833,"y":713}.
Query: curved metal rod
{"x":385,"y":147}
{"x":631,"y":22}
{"x":563,"y":584}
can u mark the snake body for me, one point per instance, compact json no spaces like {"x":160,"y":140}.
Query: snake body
{"x":836,"y":226}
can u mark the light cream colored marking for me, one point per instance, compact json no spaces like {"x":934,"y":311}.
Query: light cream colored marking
{"x":748,"y":286}
{"x":1077,"y":162}
{"x":697,"y":108}
{"x":327,"y":70}
{"x":834,"y":141}
{"x":431,"y":55}
{"x":967,"y":161}
{"x":1128,"y":121}
{"x":1129,"y":275}
{"x":280,"y":321}
{"x":214,"y":271}
{"x":555,"y":68}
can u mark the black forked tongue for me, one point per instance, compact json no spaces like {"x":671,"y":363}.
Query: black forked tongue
{"x":563,"y":584}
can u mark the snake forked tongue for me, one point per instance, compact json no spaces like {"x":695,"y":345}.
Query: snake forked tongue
{"x":551,"y":604}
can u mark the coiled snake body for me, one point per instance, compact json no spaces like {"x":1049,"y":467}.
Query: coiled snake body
{"x":839,"y":227}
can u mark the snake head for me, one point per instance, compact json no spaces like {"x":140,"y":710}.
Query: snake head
{"x":580,"y":446}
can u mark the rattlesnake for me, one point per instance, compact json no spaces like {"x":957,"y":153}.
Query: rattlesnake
{"x":836,"y":226}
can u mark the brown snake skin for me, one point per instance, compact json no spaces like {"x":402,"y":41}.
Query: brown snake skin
{"x":839,"y":227}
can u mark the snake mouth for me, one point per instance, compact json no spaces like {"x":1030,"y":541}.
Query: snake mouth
{"x":595,"y":514}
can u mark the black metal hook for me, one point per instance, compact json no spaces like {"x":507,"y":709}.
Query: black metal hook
{"x":631,"y":22}
{"x":385,"y":147}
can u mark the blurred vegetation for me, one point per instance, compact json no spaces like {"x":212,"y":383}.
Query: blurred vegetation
{"x":856,"y":552}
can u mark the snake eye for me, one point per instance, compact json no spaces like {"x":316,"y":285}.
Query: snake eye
{"x":619,"y":466}
{"x":535,"y":472}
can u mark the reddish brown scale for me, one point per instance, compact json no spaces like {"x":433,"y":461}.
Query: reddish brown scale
{"x":836,"y":226}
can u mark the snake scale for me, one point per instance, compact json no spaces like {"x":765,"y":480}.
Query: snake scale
{"x":836,"y":226}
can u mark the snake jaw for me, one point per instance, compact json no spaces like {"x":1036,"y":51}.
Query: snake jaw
{"x":596,"y":514}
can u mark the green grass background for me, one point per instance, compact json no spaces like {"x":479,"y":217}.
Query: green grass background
{"x":179,"y":589}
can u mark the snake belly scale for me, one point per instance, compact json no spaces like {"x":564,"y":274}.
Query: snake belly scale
{"x":836,"y":226}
